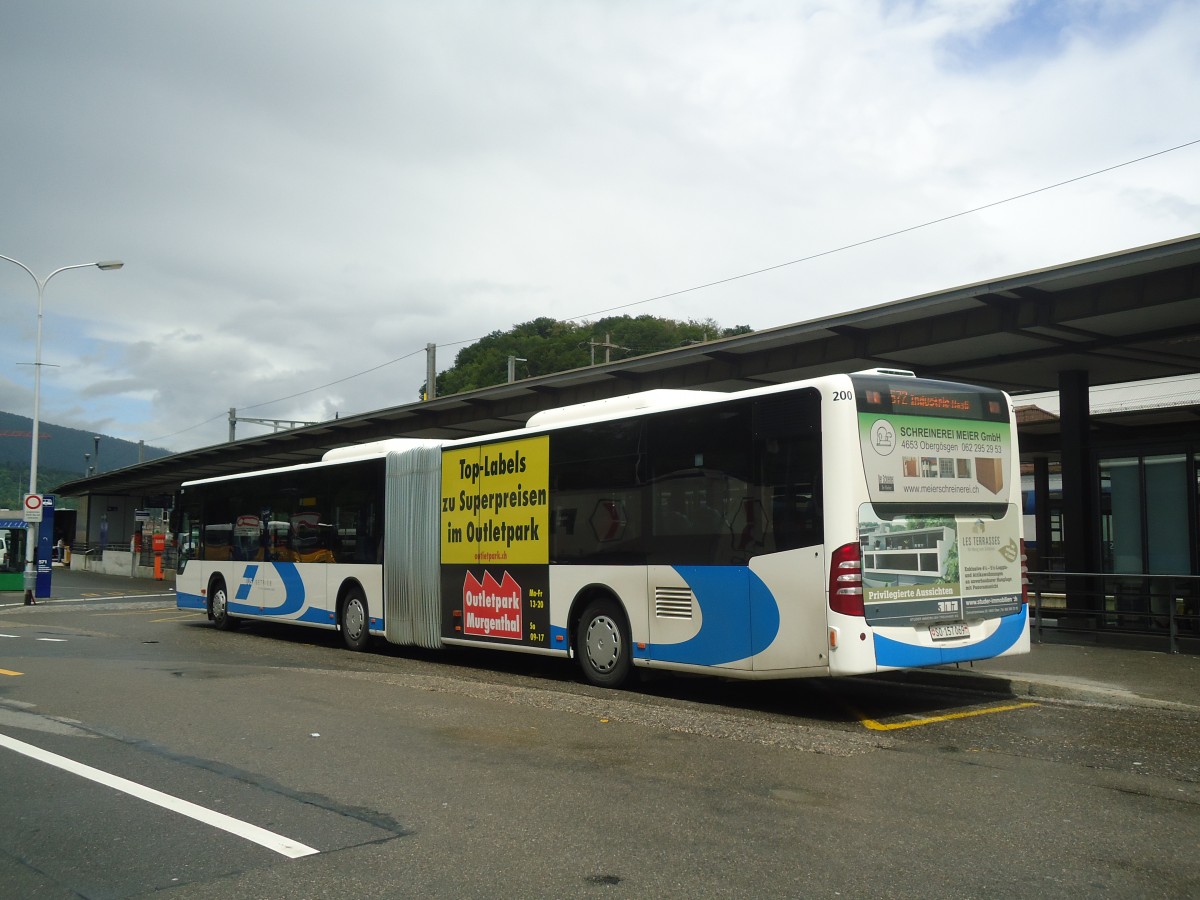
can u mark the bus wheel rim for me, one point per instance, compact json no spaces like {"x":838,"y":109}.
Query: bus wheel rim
{"x":603,"y":643}
{"x":354,"y":619}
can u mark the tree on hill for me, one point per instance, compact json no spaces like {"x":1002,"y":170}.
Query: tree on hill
{"x":14,"y":482}
{"x":547,"y":345}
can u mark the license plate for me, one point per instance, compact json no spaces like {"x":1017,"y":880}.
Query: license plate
{"x":948,"y":632}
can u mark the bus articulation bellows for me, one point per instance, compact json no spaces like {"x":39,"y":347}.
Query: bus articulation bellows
{"x":836,"y":526}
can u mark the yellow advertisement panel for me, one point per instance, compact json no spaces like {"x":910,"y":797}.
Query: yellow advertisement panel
{"x":495,"y":503}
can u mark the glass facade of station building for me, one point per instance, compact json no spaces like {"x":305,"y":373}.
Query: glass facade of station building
{"x":1148,"y":514}
{"x":1144,"y":540}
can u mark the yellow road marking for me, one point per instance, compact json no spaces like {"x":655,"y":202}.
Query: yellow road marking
{"x":10,"y":672}
{"x":931,"y":720}
{"x":135,"y":612}
{"x":191,"y":614}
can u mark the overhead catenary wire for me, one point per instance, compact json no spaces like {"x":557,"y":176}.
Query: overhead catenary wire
{"x":750,"y":274}
{"x":291,"y":396}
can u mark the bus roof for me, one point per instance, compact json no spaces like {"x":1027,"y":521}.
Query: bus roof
{"x":659,"y":398}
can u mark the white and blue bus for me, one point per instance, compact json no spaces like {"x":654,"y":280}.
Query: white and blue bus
{"x":842,"y":525}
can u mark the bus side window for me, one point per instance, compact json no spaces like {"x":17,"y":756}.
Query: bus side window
{"x":595,"y":475}
{"x":788,"y":443}
{"x":699,"y":461}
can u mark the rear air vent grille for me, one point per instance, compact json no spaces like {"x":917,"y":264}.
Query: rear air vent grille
{"x":673,"y":603}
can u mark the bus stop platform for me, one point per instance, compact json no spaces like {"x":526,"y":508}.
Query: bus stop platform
{"x":1068,"y":669}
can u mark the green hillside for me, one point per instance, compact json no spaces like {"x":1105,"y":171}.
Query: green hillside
{"x":14,"y":482}
{"x":60,"y":456}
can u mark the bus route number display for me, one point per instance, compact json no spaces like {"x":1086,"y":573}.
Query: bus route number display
{"x":495,"y":542}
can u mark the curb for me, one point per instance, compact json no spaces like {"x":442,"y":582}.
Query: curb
{"x":1032,"y":688}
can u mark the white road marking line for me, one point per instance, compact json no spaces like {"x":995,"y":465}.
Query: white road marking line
{"x":52,"y":640}
{"x":90,"y":598}
{"x":270,"y":840}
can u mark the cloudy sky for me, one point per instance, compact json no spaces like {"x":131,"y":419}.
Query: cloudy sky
{"x":306,"y":194}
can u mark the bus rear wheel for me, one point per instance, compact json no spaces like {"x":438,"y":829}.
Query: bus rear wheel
{"x":355,"y":620}
{"x":218,"y":607}
{"x":602,"y":644}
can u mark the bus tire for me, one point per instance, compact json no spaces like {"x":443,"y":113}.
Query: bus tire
{"x":355,"y":620}
{"x":602,"y":644}
{"x":218,"y":606}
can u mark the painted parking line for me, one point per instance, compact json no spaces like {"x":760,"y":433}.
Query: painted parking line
{"x":133,"y":596}
{"x":933,"y":720}
{"x":269,"y":839}
{"x":89,"y":598}
{"x":10,"y":672}
{"x":135,"y":612}
{"x":188,"y":614}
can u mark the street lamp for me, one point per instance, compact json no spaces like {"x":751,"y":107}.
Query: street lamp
{"x":30,"y":544}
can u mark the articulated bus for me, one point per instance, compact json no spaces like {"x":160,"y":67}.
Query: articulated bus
{"x":841,"y":525}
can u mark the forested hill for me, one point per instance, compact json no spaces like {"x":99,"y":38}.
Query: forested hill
{"x":63,"y":448}
{"x":546,"y":345}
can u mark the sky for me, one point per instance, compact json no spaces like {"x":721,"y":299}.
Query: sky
{"x":307,"y":194}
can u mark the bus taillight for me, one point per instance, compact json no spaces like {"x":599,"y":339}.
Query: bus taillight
{"x":845,"y":581}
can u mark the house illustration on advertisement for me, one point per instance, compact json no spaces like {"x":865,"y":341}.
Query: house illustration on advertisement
{"x":906,"y":556}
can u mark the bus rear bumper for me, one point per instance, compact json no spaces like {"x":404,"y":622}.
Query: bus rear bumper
{"x":1011,"y":636}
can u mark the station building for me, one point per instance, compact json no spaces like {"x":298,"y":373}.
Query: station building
{"x":1111,"y":497}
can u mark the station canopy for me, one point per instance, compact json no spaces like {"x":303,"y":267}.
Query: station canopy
{"x":1124,"y":317}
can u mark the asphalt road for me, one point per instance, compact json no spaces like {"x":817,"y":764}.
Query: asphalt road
{"x":142,"y":751}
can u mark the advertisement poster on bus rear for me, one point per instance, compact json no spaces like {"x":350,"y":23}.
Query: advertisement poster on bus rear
{"x":935,"y":568}
{"x":495,"y":542}
{"x":935,"y":460}
{"x":926,"y":567}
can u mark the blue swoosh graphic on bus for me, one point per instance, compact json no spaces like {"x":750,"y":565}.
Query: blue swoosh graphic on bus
{"x":243,"y":591}
{"x":293,"y":597}
{"x":894,"y":653}
{"x":739,"y":617}
{"x":314,"y":616}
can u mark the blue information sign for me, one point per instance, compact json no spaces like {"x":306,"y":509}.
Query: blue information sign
{"x":45,"y":549}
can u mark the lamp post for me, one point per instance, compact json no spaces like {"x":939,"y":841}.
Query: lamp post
{"x":30,"y":543}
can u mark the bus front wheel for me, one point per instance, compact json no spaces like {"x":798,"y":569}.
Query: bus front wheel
{"x":218,"y":607}
{"x":355,"y":620}
{"x":602,"y":644}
